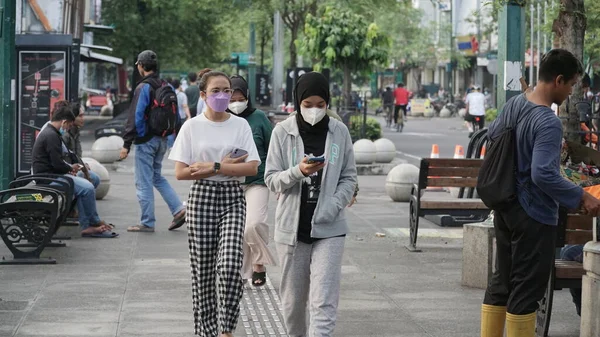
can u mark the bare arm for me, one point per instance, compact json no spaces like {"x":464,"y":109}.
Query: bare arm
{"x":184,"y":172}
{"x":199,"y":171}
{"x":186,"y":108}
{"x":239,"y":169}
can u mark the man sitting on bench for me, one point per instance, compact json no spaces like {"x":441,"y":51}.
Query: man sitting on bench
{"x":48,"y":158}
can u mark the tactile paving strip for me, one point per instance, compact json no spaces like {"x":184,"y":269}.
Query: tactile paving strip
{"x":260,"y":312}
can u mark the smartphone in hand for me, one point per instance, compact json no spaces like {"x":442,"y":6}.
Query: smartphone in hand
{"x":238,"y":153}
{"x":313,"y":160}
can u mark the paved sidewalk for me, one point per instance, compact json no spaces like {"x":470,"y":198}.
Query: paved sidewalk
{"x":139,"y":284}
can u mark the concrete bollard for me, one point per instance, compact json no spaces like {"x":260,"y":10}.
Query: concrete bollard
{"x":478,"y":254}
{"x":429,"y":113}
{"x":117,"y":141}
{"x":590,"y":302}
{"x":400,"y":181}
{"x":102,"y":172}
{"x":106,"y":111}
{"x":386,"y":150}
{"x":365,"y":151}
{"x":106,"y":150}
{"x":445,"y":112}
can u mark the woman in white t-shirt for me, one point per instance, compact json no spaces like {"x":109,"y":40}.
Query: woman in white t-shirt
{"x":216,"y":208}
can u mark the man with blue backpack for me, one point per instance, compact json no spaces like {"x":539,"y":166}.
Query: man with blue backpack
{"x":153,"y":117}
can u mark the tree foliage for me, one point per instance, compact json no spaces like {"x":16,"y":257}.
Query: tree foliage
{"x":184,"y":33}
{"x":340,"y":38}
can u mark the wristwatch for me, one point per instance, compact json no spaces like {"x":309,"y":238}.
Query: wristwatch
{"x":217,"y":167}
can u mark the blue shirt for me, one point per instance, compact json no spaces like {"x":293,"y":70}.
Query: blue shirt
{"x":540,"y":186}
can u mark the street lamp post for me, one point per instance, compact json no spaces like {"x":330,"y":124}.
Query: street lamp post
{"x":251,"y":60}
{"x":511,"y":50}
{"x":7,"y":91}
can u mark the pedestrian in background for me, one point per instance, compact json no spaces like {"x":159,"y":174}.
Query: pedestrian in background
{"x":475,"y":116}
{"x":216,"y":151}
{"x":402,"y":97}
{"x":387,"y":98}
{"x":310,"y":225}
{"x":150,"y":149}
{"x":192,"y":92}
{"x":256,"y":233}
{"x":72,"y":141}
{"x":182,"y":102}
{"x":201,"y":106}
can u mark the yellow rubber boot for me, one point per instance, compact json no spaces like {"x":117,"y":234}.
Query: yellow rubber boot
{"x":520,"y":325}
{"x":492,"y":320}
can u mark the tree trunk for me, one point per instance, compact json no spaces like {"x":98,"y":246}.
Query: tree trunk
{"x":569,"y":28}
{"x":263,"y":44}
{"x":293,"y":51}
{"x":347,"y":86}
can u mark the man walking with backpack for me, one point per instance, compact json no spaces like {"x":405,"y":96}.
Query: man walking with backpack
{"x":525,"y":188}
{"x":153,"y":116}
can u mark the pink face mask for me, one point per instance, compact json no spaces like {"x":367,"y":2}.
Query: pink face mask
{"x":218,"y":102}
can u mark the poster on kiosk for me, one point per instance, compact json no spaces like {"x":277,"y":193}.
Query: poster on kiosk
{"x":42,"y":80}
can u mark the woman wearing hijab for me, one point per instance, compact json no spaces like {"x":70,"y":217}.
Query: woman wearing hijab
{"x":310,"y":225}
{"x":256,"y":233}
{"x":210,"y":151}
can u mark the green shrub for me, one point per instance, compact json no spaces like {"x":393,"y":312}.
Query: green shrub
{"x":372,"y":131}
{"x":374,"y":104}
{"x":491,"y":114}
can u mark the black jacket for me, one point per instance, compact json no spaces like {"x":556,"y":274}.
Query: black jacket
{"x":48,"y":153}
{"x":136,"y":129}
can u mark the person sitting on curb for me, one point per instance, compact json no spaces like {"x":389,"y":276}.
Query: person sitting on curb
{"x":48,"y":158}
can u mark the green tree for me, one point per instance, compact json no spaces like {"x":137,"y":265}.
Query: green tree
{"x":339,"y":38}
{"x":183,"y":33}
{"x":570,"y":27}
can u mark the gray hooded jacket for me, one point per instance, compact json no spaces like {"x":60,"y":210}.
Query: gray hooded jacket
{"x":283,"y":176}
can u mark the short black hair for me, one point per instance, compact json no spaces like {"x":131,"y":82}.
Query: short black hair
{"x":400,"y":85}
{"x":586,"y":81}
{"x":76,"y":108}
{"x":169,"y":80}
{"x":176,"y":83}
{"x":149,"y":65}
{"x":192,"y":77}
{"x":559,"y":62}
{"x":63,"y":113}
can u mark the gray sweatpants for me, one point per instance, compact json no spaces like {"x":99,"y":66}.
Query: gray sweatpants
{"x":311,"y":276}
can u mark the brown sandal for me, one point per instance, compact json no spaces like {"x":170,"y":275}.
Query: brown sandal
{"x":103,"y":223}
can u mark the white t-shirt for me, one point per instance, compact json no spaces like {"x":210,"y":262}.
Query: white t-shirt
{"x":181,"y":101}
{"x":202,"y":140}
{"x":476,"y":101}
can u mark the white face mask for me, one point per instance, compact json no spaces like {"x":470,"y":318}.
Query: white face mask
{"x":238,"y":107}
{"x":313,"y":116}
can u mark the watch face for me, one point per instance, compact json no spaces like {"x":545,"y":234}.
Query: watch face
{"x":217,"y":166}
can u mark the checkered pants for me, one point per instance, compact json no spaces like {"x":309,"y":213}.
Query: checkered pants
{"x":216,"y":214}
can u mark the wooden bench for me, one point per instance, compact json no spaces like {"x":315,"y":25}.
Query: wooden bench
{"x":31,"y":212}
{"x":460,"y":173}
{"x":573,"y":229}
